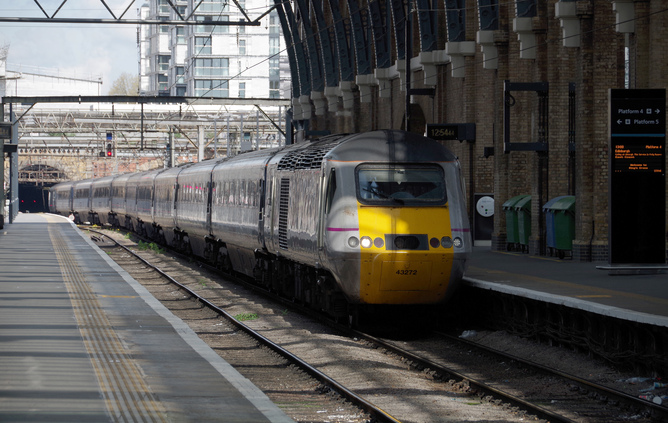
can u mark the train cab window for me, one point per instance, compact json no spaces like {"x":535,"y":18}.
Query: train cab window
{"x":331,"y":189}
{"x":403,"y":184}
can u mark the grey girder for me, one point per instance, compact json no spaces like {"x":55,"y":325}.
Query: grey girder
{"x":456,"y":16}
{"x":381,"y":34}
{"x":331,"y":65}
{"x":427,"y":24}
{"x":290,"y":48}
{"x":315,"y":61}
{"x":359,"y":28}
{"x":302,"y":59}
{"x":488,"y":12}
{"x":525,"y":8}
{"x":399,"y":24}
{"x":342,"y":46}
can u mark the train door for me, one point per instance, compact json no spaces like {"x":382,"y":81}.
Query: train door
{"x":261,"y":204}
{"x":211,"y":186}
{"x":269,"y":215}
{"x":175,"y":201}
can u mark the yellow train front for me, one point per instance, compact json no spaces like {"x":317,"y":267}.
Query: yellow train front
{"x":395,"y":227}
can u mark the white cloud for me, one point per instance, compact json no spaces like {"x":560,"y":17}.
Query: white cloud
{"x":105,"y":50}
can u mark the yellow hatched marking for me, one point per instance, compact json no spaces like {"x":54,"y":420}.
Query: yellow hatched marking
{"x":127,"y":396}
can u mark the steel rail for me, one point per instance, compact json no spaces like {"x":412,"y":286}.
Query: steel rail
{"x":531,"y":408}
{"x":376,"y":413}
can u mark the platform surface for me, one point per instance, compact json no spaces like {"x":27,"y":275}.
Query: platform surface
{"x":636,"y":297}
{"x":81,"y":341}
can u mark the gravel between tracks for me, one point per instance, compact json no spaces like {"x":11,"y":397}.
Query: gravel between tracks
{"x":380,"y":377}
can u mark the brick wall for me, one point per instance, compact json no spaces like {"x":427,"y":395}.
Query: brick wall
{"x":594,"y":67}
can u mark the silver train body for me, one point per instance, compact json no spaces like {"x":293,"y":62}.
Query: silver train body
{"x":373,"y":218}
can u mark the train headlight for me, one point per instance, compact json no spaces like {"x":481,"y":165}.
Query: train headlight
{"x":458,"y":243}
{"x":366,"y":242}
{"x":434,"y":242}
{"x":353,"y":242}
{"x":446,"y":242}
{"x":378,"y":242}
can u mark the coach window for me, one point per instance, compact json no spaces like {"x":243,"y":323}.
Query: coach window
{"x":243,"y":200}
{"x":254,"y":194}
{"x":233,"y":193}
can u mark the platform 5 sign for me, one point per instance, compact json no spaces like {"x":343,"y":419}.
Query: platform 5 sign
{"x":637,"y":181}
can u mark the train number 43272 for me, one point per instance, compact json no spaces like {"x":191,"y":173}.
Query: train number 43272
{"x":407,"y":272}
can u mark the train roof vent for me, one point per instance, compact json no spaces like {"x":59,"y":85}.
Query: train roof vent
{"x":311,"y":156}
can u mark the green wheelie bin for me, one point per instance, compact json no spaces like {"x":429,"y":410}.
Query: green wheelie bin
{"x":561,"y":212}
{"x":512,"y":226}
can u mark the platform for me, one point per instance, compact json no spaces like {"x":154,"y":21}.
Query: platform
{"x":636,"y":297}
{"x":80,"y":340}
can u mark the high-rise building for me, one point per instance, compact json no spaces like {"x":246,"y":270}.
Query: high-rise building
{"x":212,"y":60}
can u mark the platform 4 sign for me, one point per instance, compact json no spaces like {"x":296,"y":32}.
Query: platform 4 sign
{"x":637,"y":182}
{"x":637,"y":131}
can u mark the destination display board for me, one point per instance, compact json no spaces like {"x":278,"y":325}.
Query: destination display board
{"x":637,"y":180}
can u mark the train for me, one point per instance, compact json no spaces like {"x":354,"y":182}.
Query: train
{"x":341,"y":223}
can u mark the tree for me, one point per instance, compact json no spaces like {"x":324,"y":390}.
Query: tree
{"x":125,"y":84}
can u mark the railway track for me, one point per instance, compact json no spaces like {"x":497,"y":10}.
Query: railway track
{"x":429,"y":361}
{"x":564,"y":397}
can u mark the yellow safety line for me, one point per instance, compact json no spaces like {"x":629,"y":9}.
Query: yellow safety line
{"x":127,"y":396}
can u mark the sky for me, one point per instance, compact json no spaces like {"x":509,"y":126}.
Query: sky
{"x":104,"y":50}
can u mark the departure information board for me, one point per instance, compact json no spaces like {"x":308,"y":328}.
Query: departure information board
{"x":639,"y":157}
{"x":637,"y":180}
